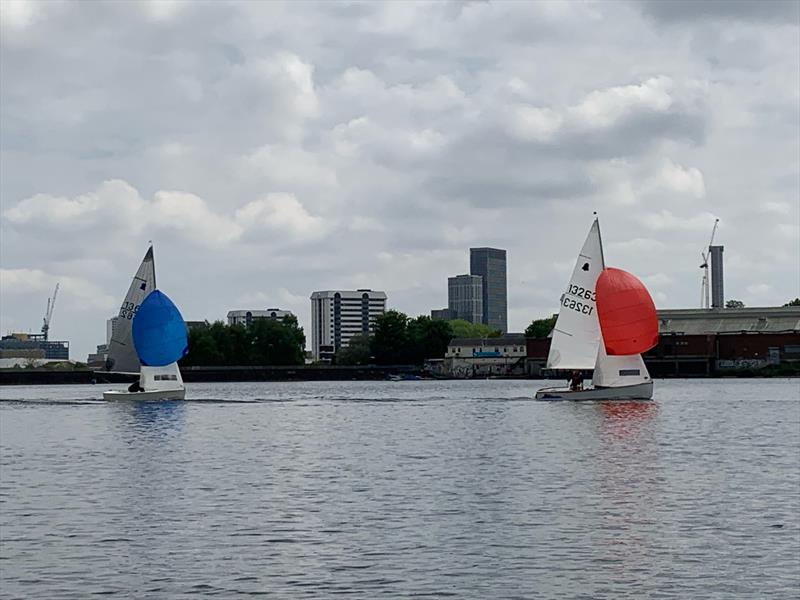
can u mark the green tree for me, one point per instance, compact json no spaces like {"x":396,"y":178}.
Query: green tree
{"x":276,"y":342}
{"x":465,"y":329}
{"x":541,"y":328}
{"x":427,"y":338}
{"x":734,"y":304}
{"x":795,"y":302}
{"x":390,"y":340}
{"x":357,"y":352}
{"x":265,"y":342}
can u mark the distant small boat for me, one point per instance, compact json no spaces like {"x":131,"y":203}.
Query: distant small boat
{"x":404,"y":377}
{"x":606,"y":320}
{"x":149,"y":337}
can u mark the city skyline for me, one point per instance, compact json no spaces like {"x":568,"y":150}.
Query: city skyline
{"x":271,"y":149}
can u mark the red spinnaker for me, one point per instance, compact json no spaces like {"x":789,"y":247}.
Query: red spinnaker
{"x":626,"y":312}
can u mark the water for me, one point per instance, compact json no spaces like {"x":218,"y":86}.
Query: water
{"x":401,"y":489}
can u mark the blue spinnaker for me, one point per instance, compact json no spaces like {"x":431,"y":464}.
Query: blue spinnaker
{"x":159,"y":333}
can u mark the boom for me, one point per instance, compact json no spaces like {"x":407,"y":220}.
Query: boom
{"x":48,"y":315}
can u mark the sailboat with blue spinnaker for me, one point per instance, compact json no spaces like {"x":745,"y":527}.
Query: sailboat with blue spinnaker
{"x":149,"y":337}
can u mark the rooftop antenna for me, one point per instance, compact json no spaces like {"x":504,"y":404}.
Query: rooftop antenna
{"x":704,"y":286}
{"x":48,"y":315}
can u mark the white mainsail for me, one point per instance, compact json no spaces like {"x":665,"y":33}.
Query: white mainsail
{"x":167,"y":377}
{"x":576,"y":336}
{"x":618,"y":371}
{"x":121,"y":352}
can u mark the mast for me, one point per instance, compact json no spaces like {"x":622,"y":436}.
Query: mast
{"x":150,"y":254}
{"x":600,"y":237}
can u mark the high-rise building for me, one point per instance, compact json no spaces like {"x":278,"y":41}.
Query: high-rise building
{"x":338,"y":315}
{"x":717,"y":277}
{"x":465,"y":297}
{"x":490,"y":264}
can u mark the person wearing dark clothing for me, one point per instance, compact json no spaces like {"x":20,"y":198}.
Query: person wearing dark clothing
{"x":576,"y":381}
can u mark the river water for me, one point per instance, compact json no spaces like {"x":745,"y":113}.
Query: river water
{"x":466,"y":489}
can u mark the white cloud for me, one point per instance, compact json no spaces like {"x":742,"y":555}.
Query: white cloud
{"x":602,"y":108}
{"x":532,"y":123}
{"x":415,"y":130}
{"x":759,"y":289}
{"x":658,"y":280}
{"x":114,"y":201}
{"x":682,"y":180}
{"x":282,"y":215}
{"x":162,"y":10}
{"x":780,"y":208}
{"x":664,"y":220}
{"x":190,"y":216}
{"x":116,"y":210}
{"x":77,"y":293}
{"x":18,"y":14}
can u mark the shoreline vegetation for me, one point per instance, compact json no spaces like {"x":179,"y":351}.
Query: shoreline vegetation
{"x":44,"y":376}
{"x":274,"y":350}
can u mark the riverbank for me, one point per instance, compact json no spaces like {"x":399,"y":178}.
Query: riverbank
{"x":300,"y":373}
{"x":212,"y":374}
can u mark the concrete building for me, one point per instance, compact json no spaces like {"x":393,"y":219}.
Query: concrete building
{"x":442,"y":314}
{"x":98,"y":359}
{"x":490,"y":264}
{"x":482,"y":357}
{"x":26,"y":345}
{"x":465,"y":297}
{"x":339,"y":315}
{"x":717,"y":277}
{"x":246,"y":317}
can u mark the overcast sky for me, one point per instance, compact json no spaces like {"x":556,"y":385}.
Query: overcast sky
{"x":270,"y":150}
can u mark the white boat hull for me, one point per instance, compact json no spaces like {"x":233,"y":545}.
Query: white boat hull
{"x":639,"y":391}
{"x":177,"y":394}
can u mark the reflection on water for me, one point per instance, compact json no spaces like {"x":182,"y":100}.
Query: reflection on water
{"x":624,"y":419}
{"x":396,"y":489}
{"x":626,"y":472}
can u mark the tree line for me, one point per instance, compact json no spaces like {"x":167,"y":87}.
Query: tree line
{"x":264,"y":342}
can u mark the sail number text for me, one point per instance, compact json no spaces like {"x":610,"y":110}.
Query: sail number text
{"x":582,"y":292}
{"x":128,"y":310}
{"x":577,"y":305}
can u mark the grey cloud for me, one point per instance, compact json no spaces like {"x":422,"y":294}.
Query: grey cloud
{"x":478,"y":124}
{"x":678,"y":11}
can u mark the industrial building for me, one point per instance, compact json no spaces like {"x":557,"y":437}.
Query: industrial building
{"x":33,"y":345}
{"x":710,"y":342}
{"x":339,"y":315}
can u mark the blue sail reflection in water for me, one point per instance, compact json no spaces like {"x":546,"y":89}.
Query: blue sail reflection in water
{"x":159,"y":333}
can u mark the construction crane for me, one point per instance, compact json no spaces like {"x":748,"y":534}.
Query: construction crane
{"x":51,"y":304}
{"x":704,"y":286}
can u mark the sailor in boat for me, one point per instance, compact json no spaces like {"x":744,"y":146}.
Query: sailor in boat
{"x":576,"y":381}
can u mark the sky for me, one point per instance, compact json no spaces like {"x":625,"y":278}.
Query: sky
{"x":271,"y":149}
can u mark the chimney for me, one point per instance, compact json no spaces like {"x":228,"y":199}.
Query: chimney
{"x":717,"y":277}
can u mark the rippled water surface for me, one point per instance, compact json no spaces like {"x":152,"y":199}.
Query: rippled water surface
{"x":401,"y":489}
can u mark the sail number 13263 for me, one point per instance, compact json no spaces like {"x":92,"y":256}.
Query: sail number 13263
{"x":576,"y":305}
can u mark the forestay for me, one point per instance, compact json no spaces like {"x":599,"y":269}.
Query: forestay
{"x":576,"y":336}
{"x":121,"y":352}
